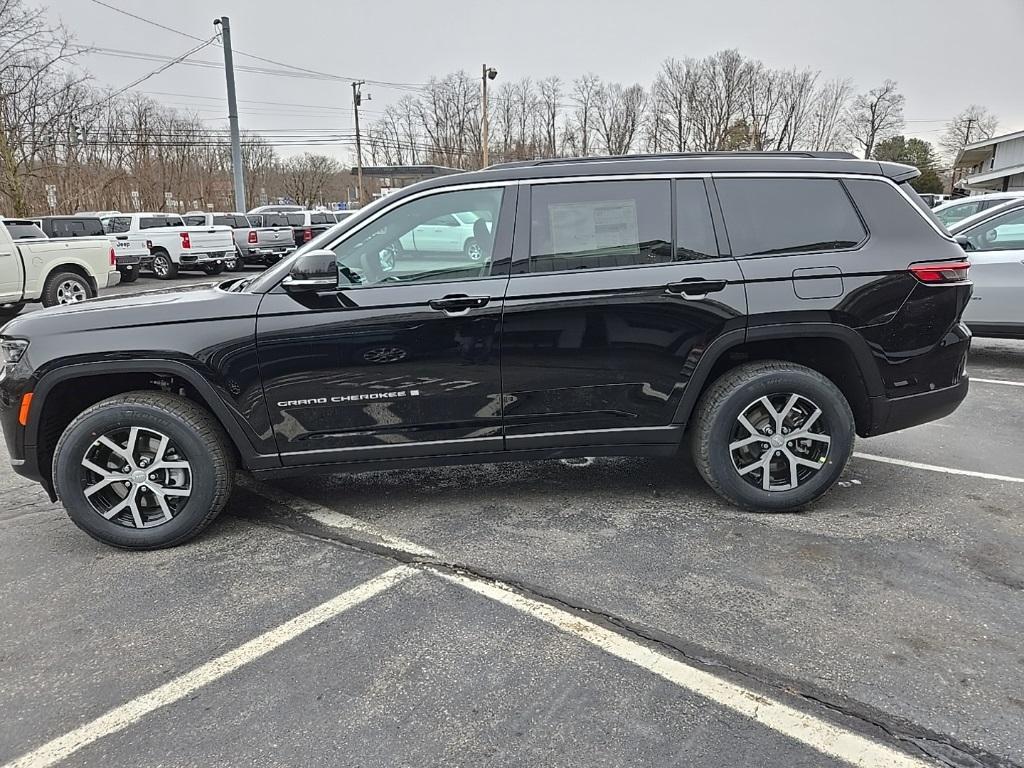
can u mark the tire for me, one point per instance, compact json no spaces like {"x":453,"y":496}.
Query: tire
{"x":195,"y":439}
{"x":8,"y":311}
{"x":65,"y":288}
{"x":234,"y":263}
{"x":718,"y":430}
{"x":213,"y":269}
{"x":129,"y":276}
{"x":472,"y":250}
{"x":163,"y":267}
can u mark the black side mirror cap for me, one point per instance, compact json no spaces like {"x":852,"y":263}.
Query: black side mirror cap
{"x":315,"y":270}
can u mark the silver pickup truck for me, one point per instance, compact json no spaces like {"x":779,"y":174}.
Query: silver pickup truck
{"x":255,"y":243}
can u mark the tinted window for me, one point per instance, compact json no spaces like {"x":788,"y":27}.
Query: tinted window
{"x":76,"y":227}
{"x":600,"y":225}
{"x":765,"y":216}
{"x":117,"y":224}
{"x":297,"y":219}
{"x":153,"y":222}
{"x":23,"y":230}
{"x":399,"y":248}
{"x":194,"y":221}
{"x":321,"y":218}
{"x":695,"y":234}
{"x":224,"y":221}
{"x":1001,"y":233}
{"x":273,"y":220}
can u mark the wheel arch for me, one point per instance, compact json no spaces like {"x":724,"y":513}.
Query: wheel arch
{"x":75,"y":267}
{"x":836,"y":351}
{"x":94,"y":381}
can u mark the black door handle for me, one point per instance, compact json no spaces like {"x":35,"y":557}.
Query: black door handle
{"x":696,"y":288}
{"x":458,"y":305}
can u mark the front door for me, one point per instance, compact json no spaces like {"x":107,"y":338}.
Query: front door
{"x":995,"y":249}
{"x":607,"y":313}
{"x":402,"y":359}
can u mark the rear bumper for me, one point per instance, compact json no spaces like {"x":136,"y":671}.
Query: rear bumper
{"x":892,"y":414}
{"x":214,"y":257}
{"x":113,"y":278}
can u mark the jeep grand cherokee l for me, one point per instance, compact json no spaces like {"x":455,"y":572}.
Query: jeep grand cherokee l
{"x":760,"y":308}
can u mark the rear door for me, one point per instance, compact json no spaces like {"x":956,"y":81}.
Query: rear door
{"x":609,"y":310}
{"x":996,"y":252}
{"x":395,"y":362}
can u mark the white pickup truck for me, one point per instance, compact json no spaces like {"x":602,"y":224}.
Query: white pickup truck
{"x":36,"y":269}
{"x":172,"y":245}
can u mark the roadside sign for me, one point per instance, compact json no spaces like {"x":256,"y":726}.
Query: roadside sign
{"x":136,"y":201}
{"x":51,"y":196}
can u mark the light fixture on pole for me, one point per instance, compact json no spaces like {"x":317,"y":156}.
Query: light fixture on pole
{"x":489,"y":73}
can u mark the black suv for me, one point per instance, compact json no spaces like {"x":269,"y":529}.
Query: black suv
{"x":763,"y":308}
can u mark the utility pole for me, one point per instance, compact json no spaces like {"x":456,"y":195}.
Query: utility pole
{"x":236,"y":142}
{"x":489,"y":73}
{"x":967,"y":140}
{"x":357,"y":99}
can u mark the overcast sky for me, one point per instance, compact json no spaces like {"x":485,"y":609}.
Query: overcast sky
{"x":945,"y":54}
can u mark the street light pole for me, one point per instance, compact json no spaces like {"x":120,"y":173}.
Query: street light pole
{"x":236,"y":142}
{"x":489,"y":73}
{"x":357,"y":99}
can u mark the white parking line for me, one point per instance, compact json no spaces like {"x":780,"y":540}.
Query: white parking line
{"x":998,"y":381}
{"x":816,"y":733}
{"x":121,"y":717}
{"x":937,"y":468}
{"x":829,"y":739}
{"x":326,"y":516}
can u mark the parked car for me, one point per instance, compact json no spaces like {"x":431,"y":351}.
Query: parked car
{"x":34,"y":268}
{"x":308,"y":224}
{"x":994,"y":242}
{"x":254,"y":243}
{"x":761,"y":308}
{"x":129,"y":255}
{"x":171,"y":246}
{"x":955,"y":211}
{"x":276,"y":209}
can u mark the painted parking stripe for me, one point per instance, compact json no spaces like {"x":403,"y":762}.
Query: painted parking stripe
{"x":825,"y":737}
{"x":125,"y":715}
{"x":329,"y":517}
{"x":1003,"y":382}
{"x":814,"y":732}
{"x":937,"y":468}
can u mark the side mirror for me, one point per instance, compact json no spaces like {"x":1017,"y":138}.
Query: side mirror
{"x":964,"y":242}
{"x":313,"y":271}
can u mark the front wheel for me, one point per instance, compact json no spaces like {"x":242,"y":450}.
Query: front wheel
{"x":66,"y":288}
{"x":772,"y":436}
{"x":143,"y":470}
{"x":473,"y":250}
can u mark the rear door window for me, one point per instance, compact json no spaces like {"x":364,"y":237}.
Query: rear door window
{"x":600,"y":225}
{"x":799,"y":215}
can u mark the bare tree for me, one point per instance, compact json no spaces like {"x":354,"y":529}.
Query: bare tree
{"x":876,"y":115}
{"x":550,"y":95}
{"x":972,"y":124}
{"x":305,"y":177}
{"x":619,"y":112}
{"x":827,"y":130}
{"x":585,"y":94}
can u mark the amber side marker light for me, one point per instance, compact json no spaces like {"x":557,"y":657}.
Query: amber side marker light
{"x":26,"y":404}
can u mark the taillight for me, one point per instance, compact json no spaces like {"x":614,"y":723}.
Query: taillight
{"x":252,"y":236}
{"x":307,"y":235}
{"x":113,"y":258}
{"x":941,"y":272}
{"x":185,"y":242}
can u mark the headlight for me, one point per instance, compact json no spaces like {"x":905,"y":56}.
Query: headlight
{"x":12,"y":350}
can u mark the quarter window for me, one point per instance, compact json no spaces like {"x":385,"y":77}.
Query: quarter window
{"x":403,"y":246}
{"x":600,"y":225}
{"x":768,"y":216}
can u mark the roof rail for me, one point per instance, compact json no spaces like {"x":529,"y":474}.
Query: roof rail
{"x":672,"y":155}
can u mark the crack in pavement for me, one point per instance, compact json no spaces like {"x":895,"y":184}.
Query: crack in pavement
{"x":920,"y":741}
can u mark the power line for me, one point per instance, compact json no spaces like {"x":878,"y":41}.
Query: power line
{"x":163,"y":68}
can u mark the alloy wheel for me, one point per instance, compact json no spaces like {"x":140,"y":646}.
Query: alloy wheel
{"x":160,"y":266}
{"x":136,"y":477}
{"x":474,"y":251}
{"x":779,"y":442}
{"x":71,"y":292}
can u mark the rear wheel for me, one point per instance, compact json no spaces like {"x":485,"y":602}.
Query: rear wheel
{"x":129,"y":275}
{"x":772,"y":436}
{"x":213,"y":269}
{"x":234,"y":262}
{"x":473,"y":250}
{"x":163,"y":267}
{"x":143,"y":470}
{"x":66,"y":288}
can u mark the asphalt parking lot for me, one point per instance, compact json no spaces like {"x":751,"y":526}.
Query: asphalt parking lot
{"x":605,"y":612}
